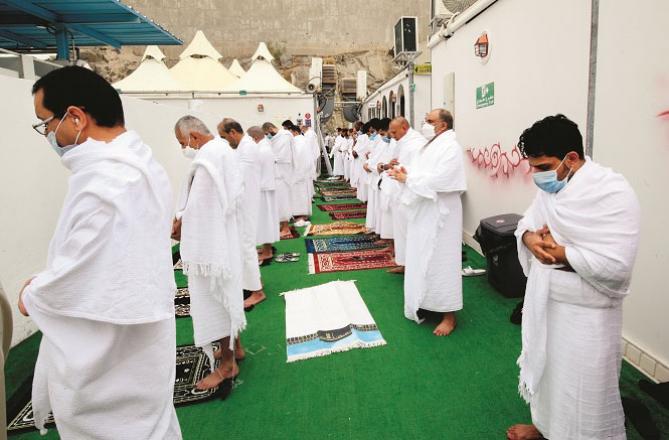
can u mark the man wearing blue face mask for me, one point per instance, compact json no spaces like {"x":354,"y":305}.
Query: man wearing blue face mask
{"x":577,"y":244}
{"x":105,"y":299}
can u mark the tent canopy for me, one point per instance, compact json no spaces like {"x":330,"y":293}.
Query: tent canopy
{"x":151,"y":75}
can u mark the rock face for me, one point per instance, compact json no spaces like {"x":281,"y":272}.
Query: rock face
{"x":354,"y":35}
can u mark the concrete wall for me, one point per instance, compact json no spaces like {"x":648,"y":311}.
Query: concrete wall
{"x":630,"y":136}
{"x":33,"y":181}
{"x":527,"y":40}
{"x":323,"y":27}
{"x":541,"y":67}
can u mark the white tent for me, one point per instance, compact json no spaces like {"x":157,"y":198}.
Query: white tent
{"x":199,"y":69}
{"x":262,"y":76}
{"x":236,"y":68}
{"x":151,"y":75}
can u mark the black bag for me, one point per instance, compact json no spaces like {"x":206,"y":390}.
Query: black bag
{"x":498,"y":243}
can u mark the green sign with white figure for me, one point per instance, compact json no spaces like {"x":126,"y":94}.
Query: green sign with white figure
{"x":485,"y":95}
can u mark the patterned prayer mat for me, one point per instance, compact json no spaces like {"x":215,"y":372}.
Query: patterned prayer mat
{"x":341,"y":206}
{"x":326,"y":319}
{"x":336,"y":228}
{"x":342,"y":244}
{"x":339,"y":197}
{"x":354,"y":260}
{"x":192,"y":365}
{"x":332,"y":185}
{"x":293,"y":234}
{"x":182,"y":303}
{"x":343,"y":215}
{"x":338,"y":192}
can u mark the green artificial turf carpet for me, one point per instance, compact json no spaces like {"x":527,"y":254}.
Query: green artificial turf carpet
{"x":418,"y":386}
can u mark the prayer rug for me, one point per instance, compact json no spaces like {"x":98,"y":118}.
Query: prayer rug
{"x":343,"y":215}
{"x":342,"y":244}
{"x":355,"y":260}
{"x":179,"y":265}
{"x":336,"y":228}
{"x":182,"y":303}
{"x":326,"y":319}
{"x":338,"y":192}
{"x":341,"y":206}
{"x":293,"y":234}
{"x":191,"y":366}
{"x":339,"y":197}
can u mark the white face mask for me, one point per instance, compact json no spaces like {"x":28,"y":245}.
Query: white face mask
{"x":51,"y":137}
{"x":188,"y":151}
{"x":428,"y":131}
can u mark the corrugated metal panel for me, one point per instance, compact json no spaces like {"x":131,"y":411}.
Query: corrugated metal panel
{"x":26,"y":24}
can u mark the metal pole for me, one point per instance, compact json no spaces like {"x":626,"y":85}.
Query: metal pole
{"x":62,"y":43}
{"x":412,"y":88}
{"x":592,"y":78}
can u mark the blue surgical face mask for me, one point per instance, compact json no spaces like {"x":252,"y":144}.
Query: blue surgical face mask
{"x":372,"y":136}
{"x":386,"y":139}
{"x":548,"y":180}
{"x":51,"y":137}
{"x":269,"y":136}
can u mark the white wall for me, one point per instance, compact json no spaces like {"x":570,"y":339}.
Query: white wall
{"x":33,"y":181}
{"x":245,"y":108}
{"x":539,"y":67}
{"x":632,"y":90}
{"x":422,"y":97}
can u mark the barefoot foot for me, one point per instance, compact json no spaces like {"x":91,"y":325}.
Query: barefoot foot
{"x":446,"y":326}
{"x":216,"y":377}
{"x":523,"y":432}
{"x":255,"y":298}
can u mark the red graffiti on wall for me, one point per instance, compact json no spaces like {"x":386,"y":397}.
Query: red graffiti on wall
{"x":499,"y":163}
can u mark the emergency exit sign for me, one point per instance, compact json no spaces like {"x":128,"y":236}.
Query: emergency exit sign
{"x":485,"y":95}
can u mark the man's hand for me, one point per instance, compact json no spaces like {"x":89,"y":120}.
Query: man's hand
{"x":393,"y":162}
{"x":534,"y":241}
{"x":399,"y":174}
{"x":176,"y":229}
{"x":380,"y":168}
{"x":556,"y":251}
{"x":22,"y":308}
{"x":366,"y":168}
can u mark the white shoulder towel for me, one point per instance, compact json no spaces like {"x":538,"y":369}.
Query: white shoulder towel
{"x":597,"y":218}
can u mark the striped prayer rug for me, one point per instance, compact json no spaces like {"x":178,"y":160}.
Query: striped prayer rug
{"x":339,"y":197}
{"x":342,"y":244}
{"x":344,"y":261}
{"x":338,"y":192}
{"x":341,"y":206}
{"x":344,"y":215}
{"x":336,"y":228}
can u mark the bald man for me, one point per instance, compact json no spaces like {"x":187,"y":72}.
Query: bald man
{"x":409,"y":141}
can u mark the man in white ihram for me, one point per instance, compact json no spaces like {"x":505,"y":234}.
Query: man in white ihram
{"x":207,"y":226}
{"x":105,"y":300}
{"x":577,"y":244}
{"x":431,"y":193}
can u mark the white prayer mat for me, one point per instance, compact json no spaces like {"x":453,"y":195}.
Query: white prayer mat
{"x":326,"y":319}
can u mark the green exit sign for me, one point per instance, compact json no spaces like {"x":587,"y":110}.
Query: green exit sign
{"x":485,"y":95}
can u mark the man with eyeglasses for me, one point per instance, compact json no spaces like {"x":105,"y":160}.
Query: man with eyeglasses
{"x":105,"y":300}
{"x":432,"y":185}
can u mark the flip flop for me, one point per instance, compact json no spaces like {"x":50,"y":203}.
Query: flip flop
{"x":469,"y":272}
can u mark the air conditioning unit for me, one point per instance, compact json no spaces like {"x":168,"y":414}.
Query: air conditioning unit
{"x":349,"y":86}
{"x":406,"y":36}
{"x":329,"y":75}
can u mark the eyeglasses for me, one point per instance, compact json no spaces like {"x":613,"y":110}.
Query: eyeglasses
{"x":40,"y":127}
